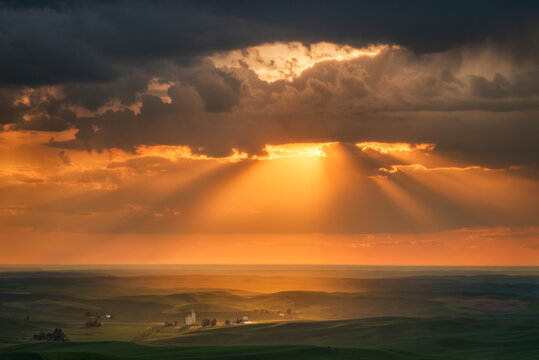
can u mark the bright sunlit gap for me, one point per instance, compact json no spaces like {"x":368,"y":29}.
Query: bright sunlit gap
{"x":296,"y":150}
{"x":286,"y":61}
{"x":271,"y":152}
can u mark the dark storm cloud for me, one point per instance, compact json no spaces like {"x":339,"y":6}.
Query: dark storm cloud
{"x":89,"y":64}
{"x":396,"y":96}
{"x":93,"y":95}
{"x":38,"y":109}
{"x":10,"y":112}
{"x":53,"y":42}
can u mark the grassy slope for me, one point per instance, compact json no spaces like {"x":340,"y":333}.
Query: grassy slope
{"x":375,"y":338}
{"x":61,"y":302}
{"x":453,"y":337}
{"x":158,"y":308}
{"x":119,"y":350}
{"x":13,"y":331}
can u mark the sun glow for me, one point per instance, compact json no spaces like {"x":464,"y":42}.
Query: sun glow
{"x":265,"y":190}
{"x":272,"y":152}
{"x":290,"y":188}
{"x":286,"y":61}
{"x":296,"y":150}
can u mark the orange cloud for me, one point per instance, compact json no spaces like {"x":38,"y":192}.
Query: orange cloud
{"x":387,"y":148}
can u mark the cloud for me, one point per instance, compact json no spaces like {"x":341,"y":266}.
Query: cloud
{"x":458,"y":99}
{"x":335,"y":187}
{"x":53,"y":42}
{"x":471,"y":89}
{"x":66,"y":160}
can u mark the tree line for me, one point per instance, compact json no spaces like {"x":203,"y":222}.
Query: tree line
{"x":56,"y":335}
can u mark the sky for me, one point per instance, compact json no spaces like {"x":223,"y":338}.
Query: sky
{"x":269,"y":132}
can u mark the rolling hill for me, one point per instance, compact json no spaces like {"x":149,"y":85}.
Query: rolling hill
{"x":373,"y":338}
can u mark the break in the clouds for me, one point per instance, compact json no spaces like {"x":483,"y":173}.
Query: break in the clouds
{"x":160,"y":117}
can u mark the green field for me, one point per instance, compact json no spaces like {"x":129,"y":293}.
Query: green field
{"x":374,"y":338}
{"x":432,"y":316}
{"x":118,"y":350}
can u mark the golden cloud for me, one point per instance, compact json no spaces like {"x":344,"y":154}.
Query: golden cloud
{"x":286,"y":61}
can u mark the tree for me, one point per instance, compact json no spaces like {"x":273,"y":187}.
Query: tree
{"x":227,"y":322}
{"x":206,"y":322}
{"x":56,"y":335}
{"x":59,"y":335}
{"x":213,"y":322}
